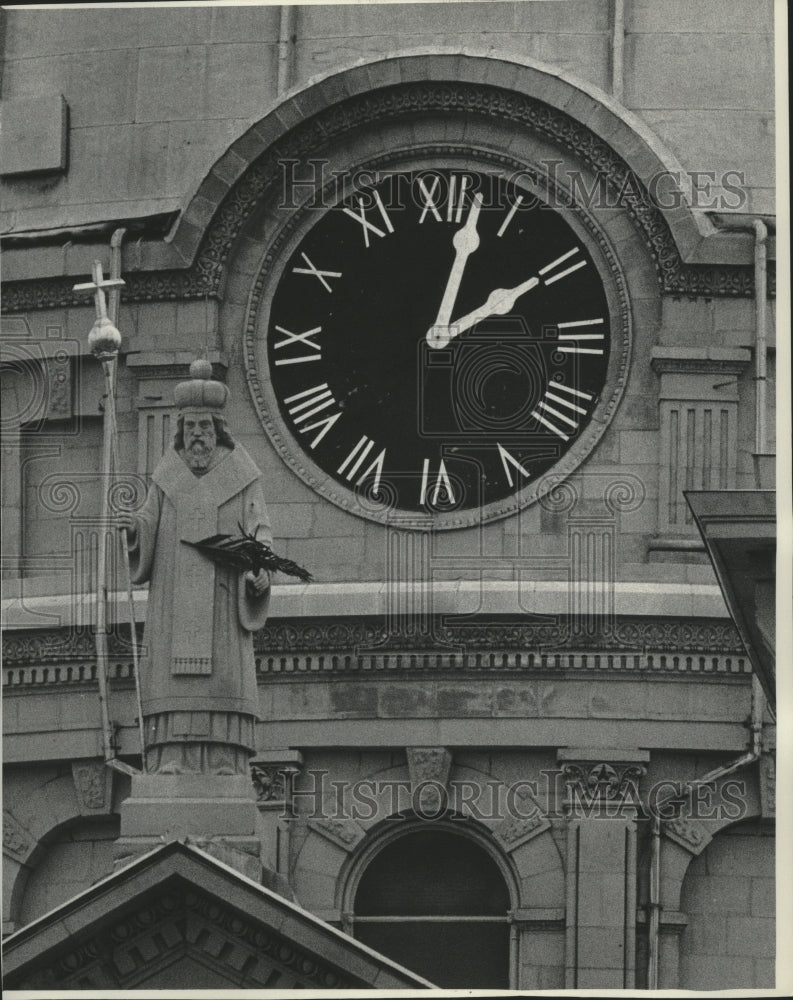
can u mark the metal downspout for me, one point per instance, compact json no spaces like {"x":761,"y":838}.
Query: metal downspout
{"x":654,"y":929}
{"x":761,"y":335}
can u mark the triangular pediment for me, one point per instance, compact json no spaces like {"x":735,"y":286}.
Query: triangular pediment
{"x":179,"y":918}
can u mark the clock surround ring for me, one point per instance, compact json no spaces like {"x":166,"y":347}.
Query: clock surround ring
{"x":429,"y":156}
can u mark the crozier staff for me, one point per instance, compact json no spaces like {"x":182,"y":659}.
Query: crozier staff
{"x":198,"y":677}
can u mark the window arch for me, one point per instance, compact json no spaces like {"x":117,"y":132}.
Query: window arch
{"x":76,"y":855}
{"x":436,"y":901}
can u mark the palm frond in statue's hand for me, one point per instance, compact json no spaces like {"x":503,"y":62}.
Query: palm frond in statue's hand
{"x":246,"y":552}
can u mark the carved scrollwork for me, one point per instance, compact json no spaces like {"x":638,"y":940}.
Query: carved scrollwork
{"x":688,"y":833}
{"x":270,"y":782}
{"x":603,"y":782}
{"x":429,"y":769}
{"x":92,"y":785}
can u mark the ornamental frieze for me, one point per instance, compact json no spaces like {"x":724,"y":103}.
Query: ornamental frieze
{"x":318,"y":646}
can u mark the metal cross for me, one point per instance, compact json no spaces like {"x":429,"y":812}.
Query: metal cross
{"x":97,"y":287}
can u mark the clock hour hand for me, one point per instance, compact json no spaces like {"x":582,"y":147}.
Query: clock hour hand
{"x":498,"y":303}
{"x":465,"y":241}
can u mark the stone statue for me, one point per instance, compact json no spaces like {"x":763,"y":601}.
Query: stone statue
{"x":198,"y":677}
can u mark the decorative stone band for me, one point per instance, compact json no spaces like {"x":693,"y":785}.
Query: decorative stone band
{"x":320,"y":664}
{"x":624,"y":645}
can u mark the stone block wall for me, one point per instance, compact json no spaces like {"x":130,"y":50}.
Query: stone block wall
{"x":155,"y":95}
{"x":692,"y":102}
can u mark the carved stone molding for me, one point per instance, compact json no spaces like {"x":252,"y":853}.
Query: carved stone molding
{"x":635,"y":634}
{"x":455,"y":100}
{"x":269,"y":782}
{"x":272,"y":782}
{"x":317,"y":647}
{"x":604,"y":782}
{"x":429,"y":769}
{"x":18,"y":842}
{"x":524,"y":822}
{"x":700,"y":361}
{"x":689,"y":833}
{"x":93,"y":786}
{"x":344,"y":833}
{"x":120,"y":955}
{"x":273,"y":773}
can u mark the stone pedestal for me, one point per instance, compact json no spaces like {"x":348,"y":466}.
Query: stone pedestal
{"x":217,"y":813}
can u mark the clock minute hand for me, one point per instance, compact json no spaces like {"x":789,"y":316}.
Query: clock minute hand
{"x":465,"y":241}
{"x":498,"y":303}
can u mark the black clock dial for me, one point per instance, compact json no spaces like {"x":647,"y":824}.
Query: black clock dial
{"x":438,"y":340}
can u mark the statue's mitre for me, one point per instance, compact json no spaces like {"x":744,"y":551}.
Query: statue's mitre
{"x":201,"y":392}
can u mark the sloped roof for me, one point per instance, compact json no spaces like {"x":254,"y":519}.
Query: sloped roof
{"x":738,"y":528}
{"x":178,"y":918}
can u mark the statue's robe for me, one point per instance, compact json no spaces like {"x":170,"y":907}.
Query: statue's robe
{"x":198,"y":677}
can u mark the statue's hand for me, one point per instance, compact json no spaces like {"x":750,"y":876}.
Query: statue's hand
{"x":126,"y":522}
{"x":257,"y":583}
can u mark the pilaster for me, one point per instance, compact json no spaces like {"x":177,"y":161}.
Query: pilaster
{"x":698,"y":410}
{"x":602,"y":788}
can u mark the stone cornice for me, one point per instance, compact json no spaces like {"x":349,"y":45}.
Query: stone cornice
{"x":700,"y":360}
{"x":680,"y":601}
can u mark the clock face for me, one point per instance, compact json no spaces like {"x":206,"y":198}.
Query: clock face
{"x":437,"y":341}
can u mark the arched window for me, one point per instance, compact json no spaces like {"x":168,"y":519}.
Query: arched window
{"x":436,"y":902}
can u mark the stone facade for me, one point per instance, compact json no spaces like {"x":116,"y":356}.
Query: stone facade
{"x":577,"y":651}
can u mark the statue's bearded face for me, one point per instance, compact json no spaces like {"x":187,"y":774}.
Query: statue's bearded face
{"x":200,"y":439}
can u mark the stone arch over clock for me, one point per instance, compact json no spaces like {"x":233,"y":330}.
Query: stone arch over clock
{"x":435,"y":334}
